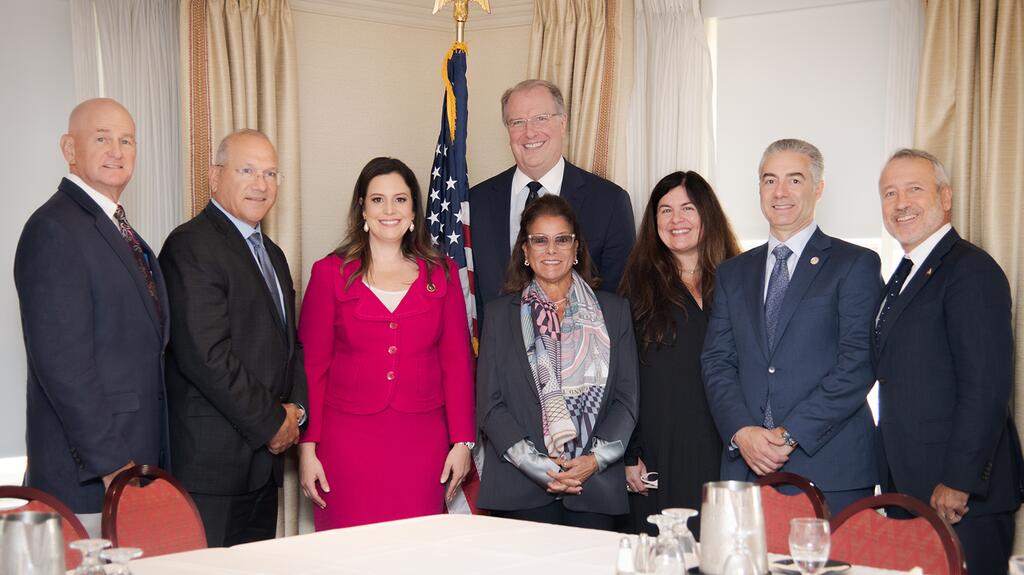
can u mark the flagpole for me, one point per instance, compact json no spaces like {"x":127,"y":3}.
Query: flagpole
{"x":460,"y":12}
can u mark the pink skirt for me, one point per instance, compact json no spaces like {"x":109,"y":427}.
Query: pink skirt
{"x":381,"y":467}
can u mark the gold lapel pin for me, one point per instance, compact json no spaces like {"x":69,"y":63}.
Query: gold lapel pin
{"x":929,"y":271}
{"x":431,"y":287}
{"x":815,"y":260}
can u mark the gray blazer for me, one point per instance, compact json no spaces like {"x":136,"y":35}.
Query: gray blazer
{"x":508,"y":409}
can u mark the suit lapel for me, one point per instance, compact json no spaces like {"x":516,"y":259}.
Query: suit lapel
{"x":515,"y":327}
{"x":921,"y":277}
{"x":117,"y":243}
{"x":816,"y":251}
{"x":753,"y":285}
{"x":234,"y":240}
{"x":572,"y":188}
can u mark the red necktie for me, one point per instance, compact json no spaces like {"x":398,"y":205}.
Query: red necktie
{"x":139,"y":254}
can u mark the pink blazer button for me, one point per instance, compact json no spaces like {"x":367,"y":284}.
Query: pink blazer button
{"x":390,"y":376}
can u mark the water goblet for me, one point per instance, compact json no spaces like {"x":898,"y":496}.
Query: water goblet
{"x":740,"y":561}
{"x":119,"y":558}
{"x":667,"y":558}
{"x":809,"y":543}
{"x":681,"y":531}
{"x":90,"y":550}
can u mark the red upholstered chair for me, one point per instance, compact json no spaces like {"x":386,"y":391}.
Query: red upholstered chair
{"x":36,"y":500}
{"x":157,"y":516}
{"x":779,"y":507}
{"x":863,"y":536}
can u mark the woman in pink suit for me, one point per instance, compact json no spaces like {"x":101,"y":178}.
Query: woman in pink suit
{"x":387,"y":352}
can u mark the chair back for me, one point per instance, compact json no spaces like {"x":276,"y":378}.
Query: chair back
{"x":157,"y":516}
{"x":780,"y":507}
{"x":36,"y":500}
{"x":861,"y":535}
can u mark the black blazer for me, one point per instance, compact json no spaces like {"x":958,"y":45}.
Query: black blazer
{"x":95,"y":343}
{"x":945,"y":374}
{"x":604,"y":213}
{"x":230,"y":363}
{"x":508,"y":410}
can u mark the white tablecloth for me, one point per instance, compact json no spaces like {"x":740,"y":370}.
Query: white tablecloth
{"x":439,"y":544}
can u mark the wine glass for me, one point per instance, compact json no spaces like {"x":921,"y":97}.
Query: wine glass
{"x":681,"y":531}
{"x":119,"y":558}
{"x":90,"y":550}
{"x":809,"y":543}
{"x":667,"y":557}
{"x":740,"y":560}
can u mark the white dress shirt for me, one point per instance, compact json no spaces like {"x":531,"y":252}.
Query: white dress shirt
{"x":552,"y":184}
{"x":921,"y":252}
{"x":106,"y":204}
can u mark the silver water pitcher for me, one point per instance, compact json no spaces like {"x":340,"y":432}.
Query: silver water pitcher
{"x":31,"y":543}
{"x":731,"y":510}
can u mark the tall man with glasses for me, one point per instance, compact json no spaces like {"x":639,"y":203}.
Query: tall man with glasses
{"x":943,"y":347}
{"x":235,"y":378}
{"x":787,"y":362}
{"x":94,"y":316}
{"x":533,"y":111}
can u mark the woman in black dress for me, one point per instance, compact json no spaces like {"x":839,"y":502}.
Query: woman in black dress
{"x":669,"y":279}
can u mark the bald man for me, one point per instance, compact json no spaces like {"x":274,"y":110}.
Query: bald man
{"x":93,"y":314}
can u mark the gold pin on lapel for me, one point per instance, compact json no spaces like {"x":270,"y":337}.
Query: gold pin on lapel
{"x":929,"y":271}
{"x":814,"y":261}
{"x":431,"y":288}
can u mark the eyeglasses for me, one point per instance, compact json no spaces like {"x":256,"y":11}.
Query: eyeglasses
{"x":538,"y":121}
{"x":541,"y":241}
{"x":248,"y":173}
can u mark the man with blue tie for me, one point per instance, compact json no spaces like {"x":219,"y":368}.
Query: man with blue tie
{"x":235,"y":377}
{"x":943,"y":347}
{"x":787,"y":360}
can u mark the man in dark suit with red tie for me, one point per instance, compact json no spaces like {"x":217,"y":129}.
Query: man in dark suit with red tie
{"x":94,"y":317}
{"x":943,"y":355}
{"x":533,"y":111}
{"x":235,"y":377}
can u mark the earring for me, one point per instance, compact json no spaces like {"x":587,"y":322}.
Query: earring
{"x":366,"y":226}
{"x":412,"y":226}
{"x":526,"y":262}
{"x":575,"y":260}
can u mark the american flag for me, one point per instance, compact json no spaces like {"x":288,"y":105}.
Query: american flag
{"x":448,"y":215}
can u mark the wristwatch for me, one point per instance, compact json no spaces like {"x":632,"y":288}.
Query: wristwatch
{"x":469,"y":444}
{"x":788,"y":439}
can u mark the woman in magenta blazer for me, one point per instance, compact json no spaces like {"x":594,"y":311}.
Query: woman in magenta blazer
{"x":388,"y":360}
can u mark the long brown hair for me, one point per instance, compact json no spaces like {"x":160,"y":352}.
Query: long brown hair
{"x":415,"y":244}
{"x":651,"y":278}
{"x":518,"y":276}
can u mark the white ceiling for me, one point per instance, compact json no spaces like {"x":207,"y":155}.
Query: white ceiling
{"x":416,"y":13}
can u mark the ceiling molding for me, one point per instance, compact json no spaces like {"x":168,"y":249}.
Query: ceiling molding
{"x":416,"y":13}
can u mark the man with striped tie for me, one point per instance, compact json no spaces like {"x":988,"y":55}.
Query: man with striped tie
{"x":94,"y":317}
{"x":235,"y":378}
{"x":943,"y":351}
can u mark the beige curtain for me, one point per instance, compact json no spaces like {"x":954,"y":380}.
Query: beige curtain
{"x":238,"y":70}
{"x":579,"y":45}
{"x":970,"y":113}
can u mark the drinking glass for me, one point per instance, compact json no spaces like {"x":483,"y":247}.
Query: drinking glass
{"x":667,"y":558}
{"x":90,"y":550}
{"x":740,"y":561}
{"x":1017,"y":565}
{"x":119,"y":558}
{"x":809,"y":543}
{"x":681,"y":531}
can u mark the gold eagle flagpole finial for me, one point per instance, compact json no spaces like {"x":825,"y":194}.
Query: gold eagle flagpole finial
{"x":461,"y":13}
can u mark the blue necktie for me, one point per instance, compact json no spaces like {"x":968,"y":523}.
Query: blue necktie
{"x":256,"y":241}
{"x":777,"y":284}
{"x":892,"y":291}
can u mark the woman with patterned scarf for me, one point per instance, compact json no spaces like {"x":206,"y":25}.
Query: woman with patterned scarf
{"x":557,"y":376}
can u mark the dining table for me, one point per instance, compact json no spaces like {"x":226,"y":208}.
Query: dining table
{"x":431,"y":545}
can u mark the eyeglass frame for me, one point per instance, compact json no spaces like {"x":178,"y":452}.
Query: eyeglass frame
{"x":277,"y":178}
{"x":547,"y":239}
{"x":538,"y":120}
